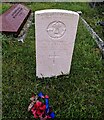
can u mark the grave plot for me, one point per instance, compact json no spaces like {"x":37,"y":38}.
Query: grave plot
{"x":13,"y":20}
{"x":78,"y":95}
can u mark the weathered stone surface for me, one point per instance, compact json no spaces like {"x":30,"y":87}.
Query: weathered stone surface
{"x":55,"y":38}
{"x":13,"y":19}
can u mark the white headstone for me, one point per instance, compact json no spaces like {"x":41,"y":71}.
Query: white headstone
{"x":55,"y":38}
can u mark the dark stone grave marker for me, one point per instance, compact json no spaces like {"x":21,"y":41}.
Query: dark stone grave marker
{"x":14,"y":19}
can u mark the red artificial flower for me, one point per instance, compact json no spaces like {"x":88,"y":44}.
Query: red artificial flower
{"x":48,"y":117}
{"x":38,"y":109}
{"x":46,"y":96}
{"x":42,"y":107}
{"x":37,"y":104}
{"x":34,"y":113}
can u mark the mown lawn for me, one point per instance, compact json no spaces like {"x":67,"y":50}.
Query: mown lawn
{"x":79,"y":95}
{"x":4,"y":7}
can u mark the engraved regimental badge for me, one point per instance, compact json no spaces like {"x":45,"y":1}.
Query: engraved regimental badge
{"x":56,"y":29}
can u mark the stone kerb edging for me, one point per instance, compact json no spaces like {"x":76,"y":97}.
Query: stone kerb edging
{"x":98,"y":40}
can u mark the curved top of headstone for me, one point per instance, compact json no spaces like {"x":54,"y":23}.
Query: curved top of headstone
{"x":56,"y":11}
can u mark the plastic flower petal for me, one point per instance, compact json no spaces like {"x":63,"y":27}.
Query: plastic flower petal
{"x":41,"y":95}
{"x":42,"y":107}
{"x":47,"y":104}
{"x":34,"y":113}
{"x":46,"y":96}
{"x":38,"y":104}
{"x":52,"y":115}
{"x":48,"y":116}
{"x":39,"y":112}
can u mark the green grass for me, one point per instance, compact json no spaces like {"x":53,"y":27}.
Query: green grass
{"x":79,"y":95}
{"x":96,"y":16}
{"x":4,"y":7}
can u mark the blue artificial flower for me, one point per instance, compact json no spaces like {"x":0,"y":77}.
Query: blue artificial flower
{"x":47,"y":105}
{"x":52,"y":115}
{"x":41,"y":95}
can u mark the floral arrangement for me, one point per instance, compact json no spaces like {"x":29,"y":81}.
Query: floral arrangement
{"x":40,"y":108}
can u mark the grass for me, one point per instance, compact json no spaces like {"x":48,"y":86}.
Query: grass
{"x":97,"y":16}
{"x":79,"y":95}
{"x":4,"y":7}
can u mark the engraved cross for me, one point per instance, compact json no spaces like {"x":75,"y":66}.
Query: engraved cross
{"x":54,"y":56}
